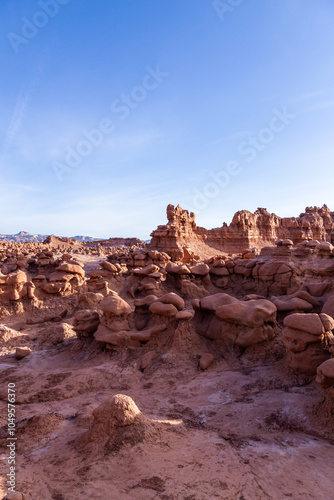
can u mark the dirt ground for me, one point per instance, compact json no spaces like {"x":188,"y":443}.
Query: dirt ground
{"x":242,"y":432}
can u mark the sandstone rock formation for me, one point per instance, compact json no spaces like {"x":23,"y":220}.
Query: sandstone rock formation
{"x":246,"y":231}
{"x":221,"y":317}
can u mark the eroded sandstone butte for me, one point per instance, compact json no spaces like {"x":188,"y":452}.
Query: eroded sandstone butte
{"x":247,"y":230}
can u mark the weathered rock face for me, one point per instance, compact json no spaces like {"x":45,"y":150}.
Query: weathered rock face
{"x":247,"y":230}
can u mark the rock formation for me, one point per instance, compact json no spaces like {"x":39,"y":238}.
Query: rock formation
{"x":247,"y":230}
{"x":307,"y":338}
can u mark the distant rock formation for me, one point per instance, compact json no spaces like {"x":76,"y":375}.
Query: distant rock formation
{"x":25,"y":237}
{"x":247,"y":230}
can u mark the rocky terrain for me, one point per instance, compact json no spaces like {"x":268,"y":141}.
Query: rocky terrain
{"x":24,"y":237}
{"x":197,"y":366}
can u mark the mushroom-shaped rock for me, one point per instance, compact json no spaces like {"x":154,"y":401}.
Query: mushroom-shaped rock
{"x":108,"y":266}
{"x":99,"y":273}
{"x":219,"y":271}
{"x":200,"y":269}
{"x":306,"y":338}
{"x":146,"y":271}
{"x":161,"y":309}
{"x":325,"y":374}
{"x":145,"y":301}
{"x":310,"y":323}
{"x":71,"y":268}
{"x":17,"y":283}
{"x":114,"y":304}
{"x":60,"y":276}
{"x":115,"y":312}
{"x":17,"y":278}
{"x":251,"y":312}
{"x":184,"y":315}
{"x":243,"y":323}
{"x":172,"y":298}
{"x":212,"y":302}
{"x":175,"y":269}
{"x":86,"y":322}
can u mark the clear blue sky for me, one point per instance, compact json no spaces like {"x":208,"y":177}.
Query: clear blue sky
{"x":183,"y":90}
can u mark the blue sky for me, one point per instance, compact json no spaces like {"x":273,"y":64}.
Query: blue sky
{"x":216,"y":106}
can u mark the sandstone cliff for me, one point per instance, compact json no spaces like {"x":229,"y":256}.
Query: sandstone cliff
{"x":246,"y":230}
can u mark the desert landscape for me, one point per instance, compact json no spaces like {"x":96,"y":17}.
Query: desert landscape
{"x":196,"y":366}
{"x":163,"y":336}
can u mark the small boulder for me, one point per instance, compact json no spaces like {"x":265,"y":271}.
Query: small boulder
{"x":22,"y":352}
{"x":206,"y":361}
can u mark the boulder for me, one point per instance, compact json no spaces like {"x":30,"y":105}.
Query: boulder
{"x":212,"y":302}
{"x":22,"y":352}
{"x":71,"y":268}
{"x":205,"y":361}
{"x":114,"y":304}
{"x":310,"y":323}
{"x":200,"y":269}
{"x":161,"y":309}
{"x":172,"y":298}
{"x":250,"y":313}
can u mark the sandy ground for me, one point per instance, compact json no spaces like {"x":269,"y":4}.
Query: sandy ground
{"x":242,"y":432}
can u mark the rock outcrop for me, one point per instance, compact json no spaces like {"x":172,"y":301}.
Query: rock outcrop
{"x":247,"y":230}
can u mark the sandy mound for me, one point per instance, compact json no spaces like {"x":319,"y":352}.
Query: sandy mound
{"x":115,"y":423}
